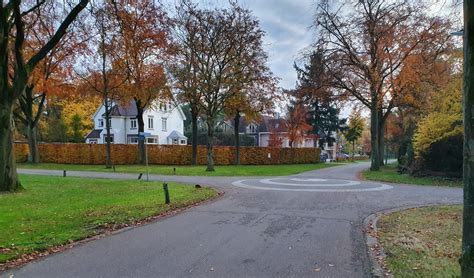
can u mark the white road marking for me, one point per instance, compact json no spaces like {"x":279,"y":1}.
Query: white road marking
{"x":347,"y":183}
{"x":297,"y":179}
{"x":242,"y":184}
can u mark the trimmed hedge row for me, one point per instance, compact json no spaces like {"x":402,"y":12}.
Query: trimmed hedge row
{"x":166,"y":154}
{"x":361,"y":157}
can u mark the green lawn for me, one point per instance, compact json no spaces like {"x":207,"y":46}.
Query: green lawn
{"x":230,"y":170}
{"x":389,"y":174}
{"x":53,"y":210}
{"x":423,"y":242}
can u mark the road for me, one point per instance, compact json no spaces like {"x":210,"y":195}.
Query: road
{"x":304,"y":225}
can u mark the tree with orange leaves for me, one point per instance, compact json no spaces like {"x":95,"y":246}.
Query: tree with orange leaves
{"x":296,"y":124}
{"x":16,"y":69}
{"x":50,"y":75}
{"x":366,"y":44}
{"x":144,"y":43}
{"x":252,"y":100}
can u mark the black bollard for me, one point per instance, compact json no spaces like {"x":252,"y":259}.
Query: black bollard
{"x":167,"y":193}
{"x":140,"y":176}
{"x":174,"y":171}
{"x":113,"y":167}
{"x":64,"y":173}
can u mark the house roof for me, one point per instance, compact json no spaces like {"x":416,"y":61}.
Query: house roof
{"x":94,"y":134}
{"x":123,"y":110}
{"x":273,"y":125}
{"x":176,"y":135}
{"x":130,"y":110}
{"x":265,"y":124}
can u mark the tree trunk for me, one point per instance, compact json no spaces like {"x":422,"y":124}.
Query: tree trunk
{"x":108,"y":151}
{"x":237,"y":138}
{"x":8,"y":176}
{"x":381,"y":138}
{"x":210,"y":145}
{"x":467,"y":255}
{"x":374,"y":139}
{"x":141,"y":140}
{"x":353,"y":150}
{"x":194,"y":123}
{"x":31,"y":133}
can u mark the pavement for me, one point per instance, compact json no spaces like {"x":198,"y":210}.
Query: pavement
{"x":305,"y":225}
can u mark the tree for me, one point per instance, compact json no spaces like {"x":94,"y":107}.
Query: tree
{"x":50,"y":73}
{"x":367,"y":43}
{"x":15,"y":72}
{"x":251,"y":102}
{"x":100,"y":76}
{"x":185,"y":69}
{"x":296,"y":125}
{"x":76,"y":126}
{"x":225,"y":58}
{"x":354,"y":129}
{"x":144,"y":42}
{"x":313,"y":90}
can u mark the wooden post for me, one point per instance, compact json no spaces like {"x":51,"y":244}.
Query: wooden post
{"x":167,"y":193}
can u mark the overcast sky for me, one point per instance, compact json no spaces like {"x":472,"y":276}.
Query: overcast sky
{"x":287,"y":26}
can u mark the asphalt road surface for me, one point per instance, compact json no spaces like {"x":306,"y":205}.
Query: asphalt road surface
{"x":305,"y":225}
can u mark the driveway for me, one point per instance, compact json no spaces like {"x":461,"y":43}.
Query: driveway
{"x":304,"y":225}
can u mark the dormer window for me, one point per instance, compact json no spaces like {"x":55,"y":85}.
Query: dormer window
{"x":101,"y":123}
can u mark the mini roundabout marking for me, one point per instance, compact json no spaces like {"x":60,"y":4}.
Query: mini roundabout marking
{"x":310,"y":185}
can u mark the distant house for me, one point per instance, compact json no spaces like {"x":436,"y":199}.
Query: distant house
{"x":164,"y":121}
{"x":266,"y":128}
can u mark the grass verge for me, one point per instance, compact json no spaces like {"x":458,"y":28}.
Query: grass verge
{"x":422,"y":242}
{"x":389,"y":174}
{"x":227,"y":170}
{"x":53,"y":211}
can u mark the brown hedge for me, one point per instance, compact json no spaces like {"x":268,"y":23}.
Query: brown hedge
{"x":165,"y":154}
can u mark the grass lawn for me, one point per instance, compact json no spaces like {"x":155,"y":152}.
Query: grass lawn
{"x":228,"y":170}
{"x":423,"y":242}
{"x":55,"y":210}
{"x":389,"y":174}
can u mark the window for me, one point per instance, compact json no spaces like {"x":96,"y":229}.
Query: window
{"x":175,"y":141}
{"x":111,"y":138}
{"x":133,"y":123}
{"x":165,"y":106}
{"x":150,"y":122}
{"x":252,"y":128}
{"x":92,"y":141}
{"x":183,"y":142}
{"x":163,"y":124}
{"x":133,"y":139}
{"x":101,"y":123}
{"x":152,"y":140}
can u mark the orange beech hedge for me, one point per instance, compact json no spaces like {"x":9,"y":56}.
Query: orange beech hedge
{"x":166,"y":154}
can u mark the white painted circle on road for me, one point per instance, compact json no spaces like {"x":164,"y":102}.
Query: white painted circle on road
{"x":345,"y":183}
{"x":260,"y":185}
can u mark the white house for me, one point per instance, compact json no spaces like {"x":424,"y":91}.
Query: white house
{"x":164,"y":121}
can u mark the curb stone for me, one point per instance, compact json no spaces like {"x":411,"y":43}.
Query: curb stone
{"x":375,"y":250}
